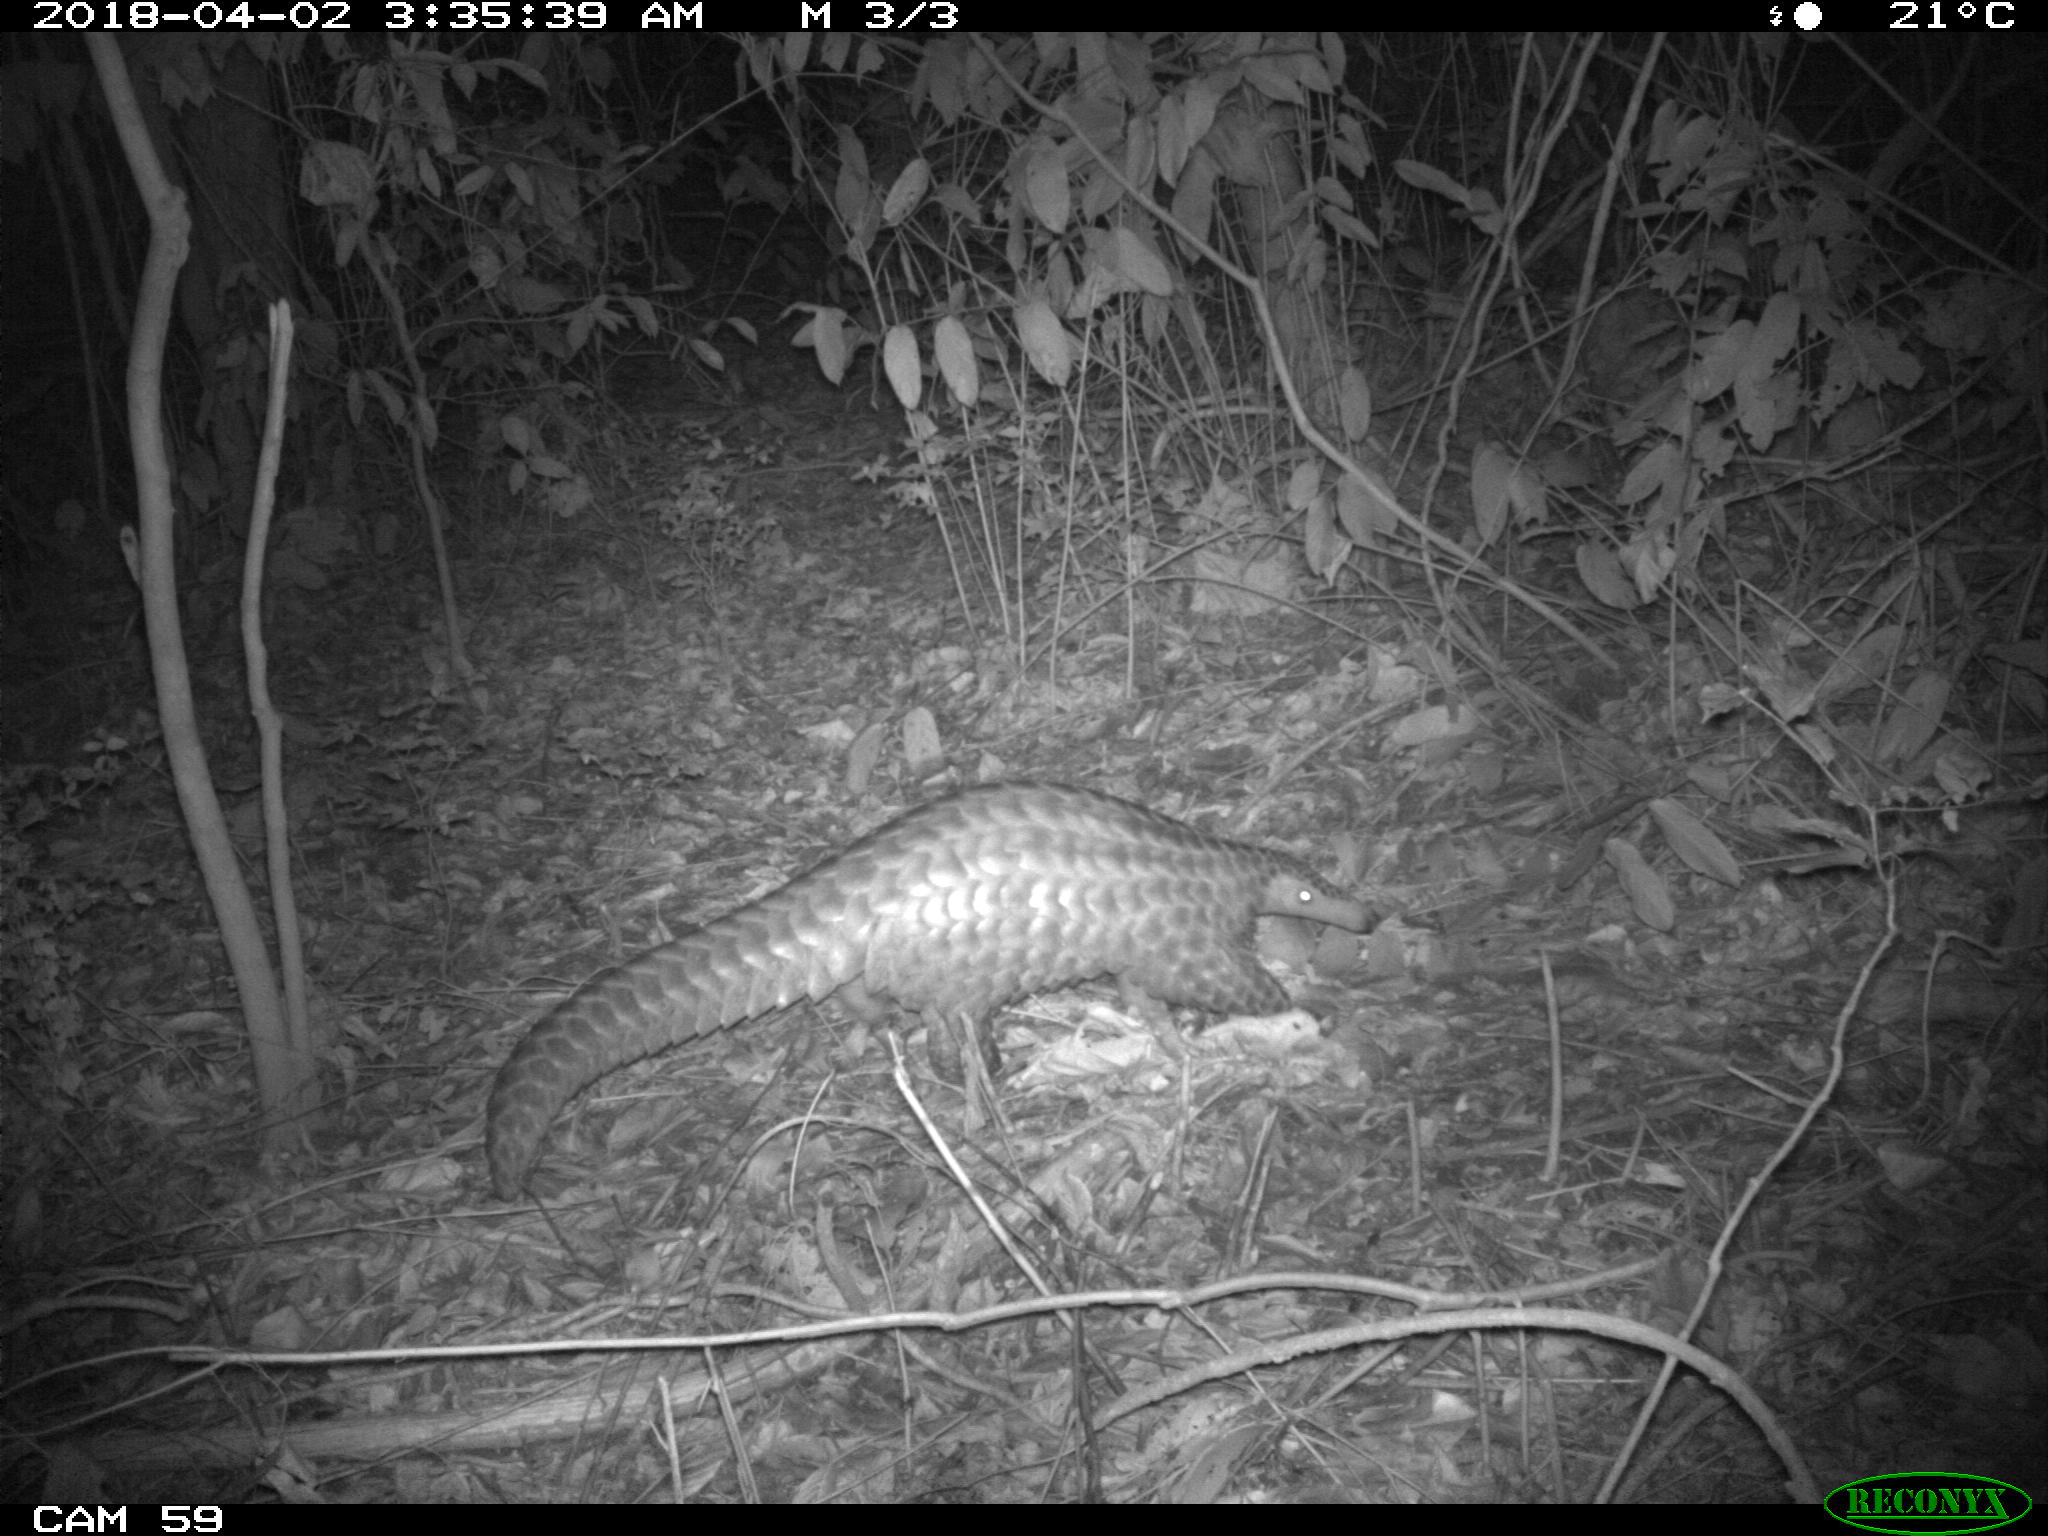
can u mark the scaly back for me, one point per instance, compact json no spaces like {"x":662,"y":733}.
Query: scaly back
{"x":953,"y":909}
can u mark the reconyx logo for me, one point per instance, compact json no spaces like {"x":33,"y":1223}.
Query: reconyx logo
{"x":1928,"y":1503}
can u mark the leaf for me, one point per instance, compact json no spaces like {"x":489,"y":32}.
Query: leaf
{"x":1352,"y":228}
{"x":1963,"y":776}
{"x":1777,"y":332}
{"x":1354,"y":402}
{"x":531,"y":296}
{"x":1649,"y":558}
{"x":333,"y":174}
{"x":1302,"y":484}
{"x":1140,"y":261}
{"x":1430,"y":179}
{"x":1046,"y":342}
{"x":1644,"y":887}
{"x":1865,"y":664}
{"x":1366,"y":507}
{"x":1600,"y":569}
{"x":1786,"y":689}
{"x":1431,"y":724}
{"x":1651,"y":473}
{"x":828,"y":337}
{"x":1716,"y":700}
{"x":921,"y":750}
{"x":907,"y":191}
{"x":1203,"y":95}
{"x":1529,"y":496}
{"x":1491,"y":469}
{"x":1349,"y":147}
{"x":1271,"y":77}
{"x":900,"y":362}
{"x":1695,"y":843}
{"x":1170,"y":133}
{"x":1848,"y":850}
{"x":1321,"y":544}
{"x":1194,"y":195}
{"x":1045,"y":188}
{"x":1918,"y":716}
{"x":1718,"y":360}
{"x":864,"y":755}
{"x":953,"y":353}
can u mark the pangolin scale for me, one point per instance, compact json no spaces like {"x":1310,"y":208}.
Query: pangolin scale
{"x":951,"y":910}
